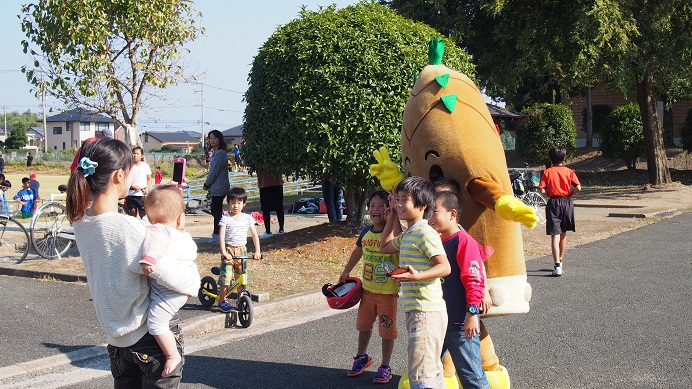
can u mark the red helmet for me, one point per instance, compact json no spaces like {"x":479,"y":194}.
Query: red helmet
{"x":345,"y":294}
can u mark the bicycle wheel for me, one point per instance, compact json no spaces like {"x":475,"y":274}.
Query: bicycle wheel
{"x":209,"y":284}
{"x":14,"y":240}
{"x":51,"y":232}
{"x":245,"y":310}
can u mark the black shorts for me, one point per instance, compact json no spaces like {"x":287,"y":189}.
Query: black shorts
{"x":272,"y":198}
{"x":135,"y":202}
{"x":559,"y":215}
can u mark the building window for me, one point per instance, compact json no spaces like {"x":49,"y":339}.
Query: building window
{"x":63,"y":145}
{"x":83,"y":126}
{"x":101,"y":126}
{"x":57,"y":130}
{"x":68,"y":126}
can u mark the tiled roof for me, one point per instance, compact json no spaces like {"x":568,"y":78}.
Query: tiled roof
{"x":79,"y":115}
{"x":173,"y":137}
{"x":233,"y":131}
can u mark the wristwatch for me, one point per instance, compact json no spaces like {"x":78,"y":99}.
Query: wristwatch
{"x":472,"y":309}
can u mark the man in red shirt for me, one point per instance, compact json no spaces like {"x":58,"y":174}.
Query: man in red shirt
{"x":560,"y":183}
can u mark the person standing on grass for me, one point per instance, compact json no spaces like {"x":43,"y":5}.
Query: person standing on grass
{"x":29,"y":160}
{"x":26,"y":197}
{"x":141,"y":184}
{"x":217,"y":182}
{"x":35,"y":185}
{"x":271,"y":192}
{"x":110,"y":245}
{"x":2,"y":164}
{"x":380,"y":293}
{"x":158,"y":177}
{"x":560,"y":183}
{"x":332,"y":193}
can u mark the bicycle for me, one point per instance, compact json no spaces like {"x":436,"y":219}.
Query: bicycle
{"x":52,"y":235}
{"x":209,"y":291}
{"x":526,"y":190}
{"x":14,"y":239}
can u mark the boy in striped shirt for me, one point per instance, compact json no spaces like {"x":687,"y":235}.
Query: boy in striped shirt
{"x":422,"y":254}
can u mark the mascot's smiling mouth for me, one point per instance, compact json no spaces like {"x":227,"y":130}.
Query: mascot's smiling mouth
{"x":435,"y":170}
{"x":435,"y":173}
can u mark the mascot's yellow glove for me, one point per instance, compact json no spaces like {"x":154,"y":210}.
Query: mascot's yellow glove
{"x":511,"y":208}
{"x":385,"y":170}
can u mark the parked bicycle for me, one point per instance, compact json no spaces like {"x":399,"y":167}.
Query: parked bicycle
{"x":14,"y":239}
{"x":526,"y":189}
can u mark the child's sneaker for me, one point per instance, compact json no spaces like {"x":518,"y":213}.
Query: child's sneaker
{"x":266,"y":235}
{"x":359,"y":364}
{"x":224,"y":306}
{"x":557,"y":270}
{"x":384,"y":375}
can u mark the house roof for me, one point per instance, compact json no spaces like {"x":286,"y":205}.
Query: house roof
{"x":173,"y":137}
{"x":503,"y":113}
{"x":233,"y":131}
{"x":194,"y":134}
{"x":79,"y":115}
{"x":37,"y":130}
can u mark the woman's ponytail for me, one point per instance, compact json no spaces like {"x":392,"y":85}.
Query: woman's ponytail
{"x":99,"y":159}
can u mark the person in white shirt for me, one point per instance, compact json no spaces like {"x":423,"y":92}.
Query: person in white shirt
{"x":141,"y":184}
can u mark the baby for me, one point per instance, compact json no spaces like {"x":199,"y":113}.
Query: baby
{"x":166,"y":240}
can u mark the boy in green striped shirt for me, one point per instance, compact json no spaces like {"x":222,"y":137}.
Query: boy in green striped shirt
{"x":422,"y":254}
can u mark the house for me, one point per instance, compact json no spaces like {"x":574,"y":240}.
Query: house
{"x":600,"y":96}
{"x":35,"y":138}
{"x":69,"y":129}
{"x":233,"y":135}
{"x":182,"y":140}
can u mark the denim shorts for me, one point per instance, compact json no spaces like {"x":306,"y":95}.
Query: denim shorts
{"x":140,"y":365}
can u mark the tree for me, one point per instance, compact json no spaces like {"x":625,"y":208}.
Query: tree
{"x":104,"y":55}
{"x":638,"y":47}
{"x":17,"y":137}
{"x":329,"y":88}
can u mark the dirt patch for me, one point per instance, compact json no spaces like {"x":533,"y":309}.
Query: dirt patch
{"x":306,"y":259}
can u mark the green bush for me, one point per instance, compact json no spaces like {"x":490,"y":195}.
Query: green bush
{"x":686,"y":132}
{"x":546,"y":125}
{"x":622,"y":135}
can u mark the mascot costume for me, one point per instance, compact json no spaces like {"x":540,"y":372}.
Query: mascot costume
{"x":447,"y":131}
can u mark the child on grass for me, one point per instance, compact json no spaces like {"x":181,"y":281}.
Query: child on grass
{"x":463,"y":291}
{"x":166,"y":240}
{"x":380,"y":293}
{"x":26,"y":197}
{"x":560,"y":183}
{"x":421,"y":253}
{"x":233,"y":228}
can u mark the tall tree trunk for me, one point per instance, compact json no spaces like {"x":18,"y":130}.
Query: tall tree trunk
{"x":589,"y":120}
{"x":656,"y":161}
{"x":355,"y":206}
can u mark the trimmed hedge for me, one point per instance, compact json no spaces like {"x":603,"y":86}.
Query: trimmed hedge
{"x":622,"y":136}
{"x":546,"y":125}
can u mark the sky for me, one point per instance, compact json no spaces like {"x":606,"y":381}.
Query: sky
{"x":221,"y":59}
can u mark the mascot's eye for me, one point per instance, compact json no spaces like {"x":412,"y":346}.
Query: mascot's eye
{"x":435,"y":173}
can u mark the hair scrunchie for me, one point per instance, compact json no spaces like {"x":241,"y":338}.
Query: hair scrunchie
{"x":88,"y":166}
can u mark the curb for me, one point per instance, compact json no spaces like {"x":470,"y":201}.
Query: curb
{"x":207,"y":323}
{"x":19,"y":271}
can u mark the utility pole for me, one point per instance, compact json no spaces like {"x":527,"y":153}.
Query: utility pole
{"x":43,"y":103}
{"x":202,"y":105}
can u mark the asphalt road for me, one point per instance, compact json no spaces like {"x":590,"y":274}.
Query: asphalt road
{"x":618,"y":318}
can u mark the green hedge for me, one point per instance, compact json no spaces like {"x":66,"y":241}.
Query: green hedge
{"x":622,"y":135}
{"x":546,"y":125}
